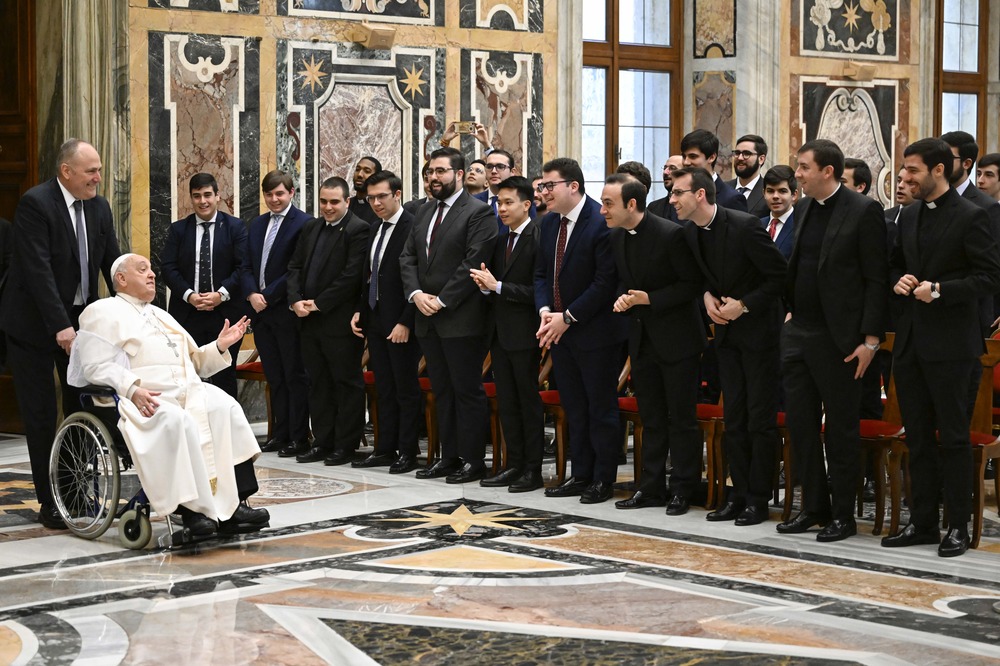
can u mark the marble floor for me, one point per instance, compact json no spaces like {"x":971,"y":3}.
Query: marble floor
{"x":360,"y":567}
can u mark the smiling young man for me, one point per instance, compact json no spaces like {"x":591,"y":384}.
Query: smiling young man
{"x":749,"y":156}
{"x":780,"y":189}
{"x":499,"y":167}
{"x":700,"y":149}
{"x":475,"y":177}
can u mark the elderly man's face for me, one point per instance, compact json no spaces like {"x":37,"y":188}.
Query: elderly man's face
{"x":137,"y":279}
{"x":81,"y":173}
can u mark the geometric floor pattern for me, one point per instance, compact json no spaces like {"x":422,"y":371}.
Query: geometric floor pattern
{"x":360,"y":567}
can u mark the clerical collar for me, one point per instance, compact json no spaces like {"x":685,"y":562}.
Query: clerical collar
{"x":333,"y":224}
{"x":931,"y":205}
{"x":138,"y":303}
{"x":822,"y":202}
{"x":715,"y":212}
{"x":633,"y":231}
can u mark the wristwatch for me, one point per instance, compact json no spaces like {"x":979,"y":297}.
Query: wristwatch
{"x":873,"y":347}
{"x":936,"y":290}
{"x":746,"y":310}
{"x":567,"y":319}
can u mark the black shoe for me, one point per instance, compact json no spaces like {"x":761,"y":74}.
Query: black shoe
{"x":729,"y":512}
{"x":439,"y":469}
{"x":802,"y":523}
{"x":955,"y":542}
{"x":640,"y":501}
{"x":527,"y":482}
{"x":315,"y":454}
{"x":571,"y":487}
{"x":245,"y":519}
{"x":404,"y":463}
{"x":752,"y":515}
{"x":837,"y":530}
{"x":294,"y":449}
{"x":274,"y":445}
{"x":376,"y":460}
{"x":467,"y":473}
{"x":49,"y":517}
{"x":991,"y":470}
{"x":198,"y":524}
{"x":868,"y":494}
{"x":678,"y":506}
{"x":501,"y":480}
{"x":338,"y":458}
{"x":912,"y":536}
{"x":597,"y":492}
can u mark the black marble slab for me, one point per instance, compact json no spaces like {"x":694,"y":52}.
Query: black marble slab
{"x":244,"y":6}
{"x":423,"y":12}
{"x":503,"y":17}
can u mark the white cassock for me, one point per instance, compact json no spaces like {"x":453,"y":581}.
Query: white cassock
{"x":185,"y":452}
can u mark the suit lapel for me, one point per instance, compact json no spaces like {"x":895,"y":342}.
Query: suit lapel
{"x":618,"y":245}
{"x":832,"y":228}
{"x":525,"y":236}
{"x":582,"y":222}
{"x":447,"y":224}
{"x":721,"y":226}
{"x":68,"y":220}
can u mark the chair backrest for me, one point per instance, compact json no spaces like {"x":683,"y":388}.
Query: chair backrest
{"x":996,"y":369}
{"x":544,"y":370}
{"x":982,"y":415}
{"x":890,"y":413}
{"x":625,"y":374}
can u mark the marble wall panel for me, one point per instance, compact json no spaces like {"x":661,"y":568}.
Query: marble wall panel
{"x":413,"y":12}
{"x":517,"y":15}
{"x":714,"y":28}
{"x":503,"y":91}
{"x":714,"y":108}
{"x":860,"y":29}
{"x":241,"y":6}
{"x":359,"y":119}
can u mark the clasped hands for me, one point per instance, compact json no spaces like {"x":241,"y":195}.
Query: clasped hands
{"x":921,"y":290}
{"x":428,"y":304}
{"x":723,"y":310}
{"x":304,"y":307}
{"x":399,"y":333}
{"x":206,"y":301}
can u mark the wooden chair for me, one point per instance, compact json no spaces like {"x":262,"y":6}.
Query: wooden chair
{"x":496,"y":433}
{"x":430,"y":415}
{"x":713,"y":428}
{"x":371,"y":395}
{"x":628,"y":412}
{"x":785,"y":458}
{"x":552,"y":406}
{"x":253,"y":371}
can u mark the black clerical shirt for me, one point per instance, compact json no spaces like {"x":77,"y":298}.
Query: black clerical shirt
{"x":808,"y":309}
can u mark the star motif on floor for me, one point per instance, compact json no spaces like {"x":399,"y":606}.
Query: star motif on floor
{"x":851,"y":16}
{"x":312,"y":75}
{"x":460,"y":520}
{"x":413,"y":81}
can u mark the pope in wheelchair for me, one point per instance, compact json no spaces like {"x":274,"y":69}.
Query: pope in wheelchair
{"x":190,"y":441}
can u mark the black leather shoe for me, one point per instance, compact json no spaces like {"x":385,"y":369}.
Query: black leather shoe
{"x":467,"y":473}
{"x":571,"y":487}
{"x":315,"y":454}
{"x":274,"y":445}
{"x":198,"y":524}
{"x":868,"y":494}
{"x":678,"y":506}
{"x":338,"y":458}
{"x":245,"y":519}
{"x":502,"y":479}
{"x":639,"y":500}
{"x":912,"y":536}
{"x":752,"y":515}
{"x":728,"y":512}
{"x":49,"y":517}
{"x":376,"y":460}
{"x":597,"y":492}
{"x":439,"y":469}
{"x":837,"y":530}
{"x":802,"y":523}
{"x":955,"y":542}
{"x":294,"y":449}
{"x":404,"y":463}
{"x":527,"y":482}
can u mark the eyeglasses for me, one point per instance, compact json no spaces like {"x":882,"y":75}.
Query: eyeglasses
{"x":497,"y":167}
{"x":372,"y":198}
{"x":678,"y":191}
{"x":548,"y":186}
{"x":439,"y":171}
{"x":745,"y":154}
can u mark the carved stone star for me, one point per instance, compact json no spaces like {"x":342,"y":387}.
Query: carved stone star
{"x":312,"y":75}
{"x":460,"y":520}
{"x":851,"y":16}
{"x":413,"y":81}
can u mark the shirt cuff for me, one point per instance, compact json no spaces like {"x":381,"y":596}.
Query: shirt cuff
{"x":499,"y":286}
{"x":224,"y":293}
{"x":440,"y":302}
{"x":542,"y":310}
{"x":414,"y":293}
{"x":187,"y":294}
{"x":570,"y":315}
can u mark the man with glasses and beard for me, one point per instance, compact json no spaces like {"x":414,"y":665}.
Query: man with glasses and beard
{"x":749,"y":156}
{"x":662,"y":207}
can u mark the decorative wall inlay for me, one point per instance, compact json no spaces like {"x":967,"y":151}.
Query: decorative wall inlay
{"x":503,"y":91}
{"x":412,"y":12}
{"x":240,"y":6}
{"x":518,"y":15}
{"x":714,"y":28}
{"x":337,"y":103}
{"x":866,"y":29}
{"x":714,"y":108}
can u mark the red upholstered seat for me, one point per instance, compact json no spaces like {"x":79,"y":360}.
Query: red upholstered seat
{"x":490,"y":388}
{"x":708,"y":411}
{"x":549,"y":397}
{"x":425,"y":383}
{"x":781,"y":419}
{"x":253,"y":366}
{"x":628,"y":404}
{"x":981,"y":439}
{"x":369,"y":377}
{"x":875,"y":428}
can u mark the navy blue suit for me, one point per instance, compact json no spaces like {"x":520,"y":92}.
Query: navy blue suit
{"x":588,"y":358}
{"x":502,"y":230}
{"x":727,"y":197}
{"x":276,"y":328}
{"x":786,"y":236}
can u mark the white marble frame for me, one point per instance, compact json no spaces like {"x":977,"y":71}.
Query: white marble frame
{"x":363,"y":16}
{"x":477,"y":60}
{"x":814,"y":53}
{"x":484,"y":21}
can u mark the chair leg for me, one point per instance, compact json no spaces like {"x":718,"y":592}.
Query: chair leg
{"x":560,"y":423}
{"x":978,"y":495}
{"x":880,"y":455}
{"x":495,"y":435}
{"x":721,"y":463}
{"x":430,"y":417}
{"x":895,"y":473}
{"x":708,"y":430}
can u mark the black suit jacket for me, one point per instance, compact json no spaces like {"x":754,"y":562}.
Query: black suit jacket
{"x":44,"y":273}
{"x":514,"y":314}
{"x":464,"y":241}
{"x":393,"y":306}
{"x":668,"y":273}
{"x":662,"y":208}
{"x":359,"y":207}
{"x":853,"y":268}
{"x":339,"y":283}
{"x":275,"y":291}
{"x":746,"y":265}
{"x":414,"y":205}
{"x":786,"y":237}
{"x":727,"y":197}
{"x":987,"y":302}
{"x":6,"y":248}
{"x":756,"y":205}
{"x":960,"y":254}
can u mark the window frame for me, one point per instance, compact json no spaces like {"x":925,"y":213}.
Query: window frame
{"x":963,"y":83}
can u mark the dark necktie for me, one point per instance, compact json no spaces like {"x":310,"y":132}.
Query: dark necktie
{"x":205,"y":259}
{"x":560,"y":252}
{"x":373,"y":281}
{"x":437,"y":223}
{"x":743,"y":190}
{"x":81,"y":243}
{"x":511,"y":239}
{"x":493,"y":202}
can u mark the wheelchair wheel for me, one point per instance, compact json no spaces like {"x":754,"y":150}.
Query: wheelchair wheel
{"x":134,"y":530}
{"x":83,"y":471}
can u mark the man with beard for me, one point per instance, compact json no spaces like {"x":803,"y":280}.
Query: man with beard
{"x":748,"y":158}
{"x":540,"y":205}
{"x":365,"y":167}
{"x":662,"y":207}
{"x":446,"y":242}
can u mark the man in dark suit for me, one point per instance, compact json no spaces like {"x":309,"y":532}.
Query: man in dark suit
{"x":836,"y":296}
{"x":514,"y":349}
{"x":203,"y":261}
{"x":744,"y":276}
{"x":575,"y":290}
{"x":944,"y":259}
{"x":658,"y":286}
{"x":700,"y":149}
{"x":780,"y":188}
{"x":749,"y":156}
{"x":386,"y":318}
{"x":446,"y":242}
{"x":324,"y":284}
{"x":359,"y":206}
{"x":272,"y":239}
{"x":662,"y":207}
{"x":63,"y":240}
{"x":988,"y":175}
{"x":499,"y":167}
{"x":857,"y":175}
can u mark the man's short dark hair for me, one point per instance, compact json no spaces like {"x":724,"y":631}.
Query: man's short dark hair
{"x":395,"y":184}
{"x":759,"y":145}
{"x":700,"y":180}
{"x":200,"y":181}
{"x":781,"y":173}
{"x":336,"y":182}
{"x":425,"y":168}
{"x":631,"y":189}
{"x":862,"y":174}
{"x":275,"y":179}
{"x":704,"y":141}
{"x":568,"y":169}
{"x":454,"y":156}
{"x":500,"y":151}
{"x":990,"y":159}
{"x":519,"y":183}
{"x":479,"y":162}
{"x":378,"y":165}
{"x":968,"y":149}
{"x":638,"y":171}
{"x":826,"y":154}
{"x":933,"y":152}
